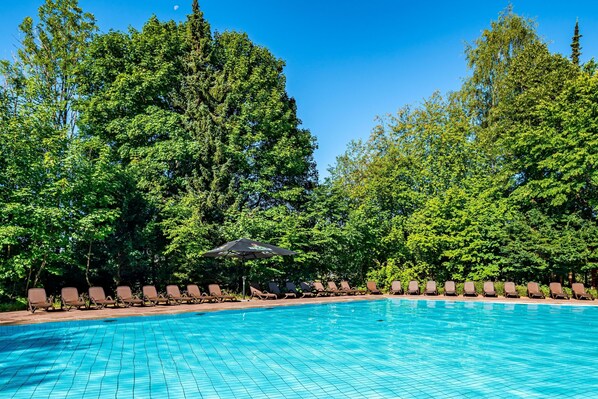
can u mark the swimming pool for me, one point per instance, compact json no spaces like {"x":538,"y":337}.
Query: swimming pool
{"x":368,"y":349}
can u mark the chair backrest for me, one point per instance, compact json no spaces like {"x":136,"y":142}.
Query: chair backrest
{"x":214,"y":289}
{"x":332,"y":286}
{"x":510,"y":287}
{"x":533,"y":287}
{"x":124,"y":291}
{"x":291,"y":286}
{"x":254,"y":291}
{"x":305,"y":286}
{"x":319,"y":286}
{"x":345,"y":285}
{"x":37,"y":295}
{"x":69,"y":294}
{"x":578,"y":288}
{"x":431,"y":286}
{"x":173,"y":291}
{"x":193,"y":290}
{"x":150,"y":291}
{"x":449,"y":286}
{"x":97,"y":293}
{"x":395,"y":286}
{"x":413,"y":286}
{"x":469,"y":287}
{"x":273,"y":287}
{"x":372,"y":286}
{"x":489,"y":287}
{"x":556,"y":288}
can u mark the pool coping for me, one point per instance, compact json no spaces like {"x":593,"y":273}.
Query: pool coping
{"x":40,"y":316}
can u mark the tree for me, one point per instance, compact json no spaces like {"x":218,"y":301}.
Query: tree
{"x":575,"y":46}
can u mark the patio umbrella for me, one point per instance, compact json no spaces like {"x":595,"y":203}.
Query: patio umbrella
{"x":244,"y":249}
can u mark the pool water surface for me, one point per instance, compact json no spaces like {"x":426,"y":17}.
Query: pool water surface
{"x":368,"y":349}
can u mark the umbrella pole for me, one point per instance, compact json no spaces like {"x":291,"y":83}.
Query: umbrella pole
{"x":244,"y":277}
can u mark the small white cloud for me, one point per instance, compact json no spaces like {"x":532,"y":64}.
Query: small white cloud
{"x":176,"y":8}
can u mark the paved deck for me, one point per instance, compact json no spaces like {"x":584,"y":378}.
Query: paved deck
{"x":41,"y":316}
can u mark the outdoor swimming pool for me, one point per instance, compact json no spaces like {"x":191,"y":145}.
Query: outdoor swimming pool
{"x":367,"y":349}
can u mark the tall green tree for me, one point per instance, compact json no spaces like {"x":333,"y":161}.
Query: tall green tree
{"x":575,"y":45}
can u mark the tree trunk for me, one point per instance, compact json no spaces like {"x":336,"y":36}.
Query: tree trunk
{"x":87,"y":267}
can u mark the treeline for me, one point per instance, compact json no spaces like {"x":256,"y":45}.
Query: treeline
{"x":126,"y":155}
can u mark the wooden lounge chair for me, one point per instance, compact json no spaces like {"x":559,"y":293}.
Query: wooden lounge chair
{"x":373,"y":289}
{"x":413,"y":288}
{"x":450,"y":288}
{"x":150,"y":294}
{"x":256,"y":293}
{"x":347,"y":288}
{"x":37,"y":299}
{"x":70,"y":298}
{"x":334,"y":289}
{"x":395,"y":288}
{"x":533,"y":291}
{"x":174,"y":293}
{"x":216,"y":292}
{"x":556,"y":291}
{"x":194,"y":292}
{"x":306,"y":287}
{"x":511,"y":290}
{"x":489,"y":289}
{"x":431,"y":288}
{"x":275,"y":289}
{"x":303,"y":294}
{"x":469,"y":289}
{"x":579,"y":292}
{"x":126,"y":297}
{"x":98,"y":297}
{"x":320,"y":290}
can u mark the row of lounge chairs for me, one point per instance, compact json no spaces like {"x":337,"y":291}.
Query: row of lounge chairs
{"x":307,"y":290}
{"x":510,"y":291}
{"x":97,"y":298}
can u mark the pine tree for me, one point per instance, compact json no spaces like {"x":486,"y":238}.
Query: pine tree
{"x":575,"y":47}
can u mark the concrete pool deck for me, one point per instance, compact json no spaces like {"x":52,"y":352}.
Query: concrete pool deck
{"x":41,"y":316}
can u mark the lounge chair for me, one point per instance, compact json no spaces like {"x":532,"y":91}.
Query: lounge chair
{"x":256,"y":293}
{"x":334,"y":289}
{"x":194,"y":292}
{"x":511,"y":290}
{"x":533,"y":291}
{"x":150,"y":294}
{"x":469,"y":289}
{"x":450,"y":288}
{"x":275,"y":289}
{"x":98,"y":297}
{"x":372,"y":288}
{"x":216,"y":292}
{"x":70,"y":298}
{"x":413,"y":288}
{"x":306,"y":287}
{"x":126,"y":297}
{"x":348,"y":289}
{"x":579,"y":292}
{"x":489,"y":289}
{"x":395,"y":288}
{"x":320,"y":290}
{"x":556,"y":291}
{"x":37,"y":299}
{"x":431,"y":288}
{"x":303,"y":294}
{"x":174,"y":293}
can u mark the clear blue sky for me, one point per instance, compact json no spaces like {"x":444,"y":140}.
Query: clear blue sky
{"x":347,"y":61}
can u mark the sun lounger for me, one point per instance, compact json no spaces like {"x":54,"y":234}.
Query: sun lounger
{"x":174,"y":293}
{"x":194,"y":292}
{"x":216,"y":292}
{"x":70,"y":298}
{"x":450,"y":288}
{"x":511,"y":290}
{"x":431,"y":288}
{"x":275,"y":289}
{"x":256,"y":293}
{"x":579,"y":292}
{"x":413,"y":288}
{"x":98,"y":297}
{"x":303,"y":294}
{"x":306,"y":287}
{"x":126,"y":297}
{"x":320,"y":290}
{"x":489,"y":289}
{"x":334,"y":289}
{"x":396,"y":288}
{"x":347,"y":288}
{"x":469,"y":289}
{"x":372,"y":288}
{"x":533,"y":291}
{"x":556,"y":291}
{"x":150,"y":294}
{"x":37,"y":299}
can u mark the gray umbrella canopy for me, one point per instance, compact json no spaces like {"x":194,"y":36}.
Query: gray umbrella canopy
{"x":244,"y":248}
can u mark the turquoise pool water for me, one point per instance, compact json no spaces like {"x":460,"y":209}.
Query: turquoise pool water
{"x":370,"y":349}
